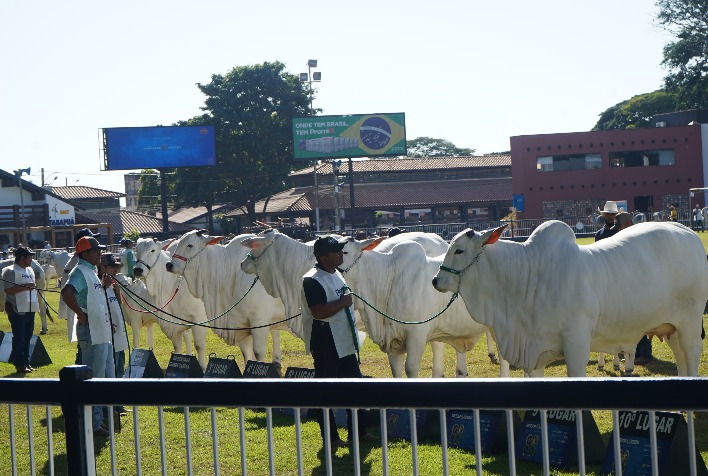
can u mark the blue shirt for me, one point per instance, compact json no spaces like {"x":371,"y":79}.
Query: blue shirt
{"x":77,"y":280}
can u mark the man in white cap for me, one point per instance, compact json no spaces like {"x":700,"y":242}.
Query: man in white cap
{"x":608,"y":214}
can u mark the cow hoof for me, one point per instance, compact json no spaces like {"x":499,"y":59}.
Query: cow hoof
{"x":493,"y":359}
{"x":616,"y":367}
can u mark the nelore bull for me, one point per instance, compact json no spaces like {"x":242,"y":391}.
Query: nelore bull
{"x":549,"y":298}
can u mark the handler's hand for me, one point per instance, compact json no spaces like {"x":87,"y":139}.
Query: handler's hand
{"x":346,"y":300}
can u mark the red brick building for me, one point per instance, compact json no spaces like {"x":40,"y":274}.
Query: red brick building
{"x":571,"y":174}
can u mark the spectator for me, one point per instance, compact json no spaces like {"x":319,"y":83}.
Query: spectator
{"x":698,"y":218}
{"x":608,"y":214}
{"x":395,"y":231}
{"x":20,"y":305}
{"x":673,"y":214}
{"x":127,"y":256}
{"x":643,"y":353}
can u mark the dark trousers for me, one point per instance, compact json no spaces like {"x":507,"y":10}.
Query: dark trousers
{"x":329,"y":365}
{"x":643,"y":348}
{"x":22,"y":328}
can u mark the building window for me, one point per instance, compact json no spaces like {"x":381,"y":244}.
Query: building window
{"x":418,"y":215}
{"x":559,"y":213}
{"x":642,"y":158}
{"x":477,"y":213}
{"x":554,"y":163}
{"x":447,"y":215}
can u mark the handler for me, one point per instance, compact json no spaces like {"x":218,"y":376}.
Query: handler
{"x":84,"y":295}
{"x":20,"y":305}
{"x":330,"y":332}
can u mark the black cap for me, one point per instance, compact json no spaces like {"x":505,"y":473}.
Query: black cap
{"x":85,"y":232}
{"x":329,"y":244}
{"x":21,"y":252}
{"x":109,"y":259}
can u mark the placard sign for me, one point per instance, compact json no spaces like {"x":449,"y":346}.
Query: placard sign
{"x":143,"y":364}
{"x":296,"y":372}
{"x":492,"y":426}
{"x":222,"y":368}
{"x":38,"y":353}
{"x":562,"y":436}
{"x":398,"y":423}
{"x":635,"y":447}
{"x":183,"y":366}
{"x":255,"y":369}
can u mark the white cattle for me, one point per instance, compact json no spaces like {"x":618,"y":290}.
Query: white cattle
{"x":164,"y":289}
{"x":396,"y":283}
{"x":59,"y":261}
{"x":280,"y":262}
{"x":135,"y":294}
{"x":213,"y":274}
{"x":39,"y":281}
{"x":549,"y":298}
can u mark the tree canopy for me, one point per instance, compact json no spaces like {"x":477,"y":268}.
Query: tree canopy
{"x":636,"y":112}
{"x":251,"y":108}
{"x":686,"y":58}
{"x":431,"y":147}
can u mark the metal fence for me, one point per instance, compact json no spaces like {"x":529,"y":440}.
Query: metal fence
{"x":74,"y":391}
{"x":518,"y":229}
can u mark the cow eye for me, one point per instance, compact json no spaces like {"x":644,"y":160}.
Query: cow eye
{"x":190,"y":246}
{"x":459,"y":252}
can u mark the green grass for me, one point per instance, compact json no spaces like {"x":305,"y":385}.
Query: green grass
{"x":374,"y":363}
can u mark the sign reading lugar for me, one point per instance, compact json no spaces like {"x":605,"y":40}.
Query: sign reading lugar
{"x":330,"y":137}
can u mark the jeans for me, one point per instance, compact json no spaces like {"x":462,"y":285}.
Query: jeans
{"x":22,"y":328}
{"x":119,"y":358}
{"x":100,"y":358}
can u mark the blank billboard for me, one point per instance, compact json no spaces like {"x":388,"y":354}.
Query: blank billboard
{"x":127,"y":148}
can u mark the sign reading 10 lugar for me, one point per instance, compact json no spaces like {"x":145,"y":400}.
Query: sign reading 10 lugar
{"x":329,"y":137}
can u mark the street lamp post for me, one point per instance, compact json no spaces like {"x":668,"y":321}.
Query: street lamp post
{"x":308,"y":77}
{"x":18,"y":174}
{"x":335,"y":169}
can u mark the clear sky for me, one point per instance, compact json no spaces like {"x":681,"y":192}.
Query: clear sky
{"x":472,"y":72}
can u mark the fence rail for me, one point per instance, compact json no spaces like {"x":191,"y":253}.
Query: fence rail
{"x":75,"y":391}
{"x":518,"y":229}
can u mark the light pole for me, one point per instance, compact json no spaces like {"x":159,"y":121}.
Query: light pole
{"x":335,"y":169}
{"x":18,"y":174}
{"x":308,"y":77}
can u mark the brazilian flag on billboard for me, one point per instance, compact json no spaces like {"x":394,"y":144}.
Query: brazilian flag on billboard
{"x":331,"y":137}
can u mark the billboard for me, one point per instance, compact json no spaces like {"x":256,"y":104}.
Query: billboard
{"x":330,"y":137}
{"x":158,"y":147}
{"x":60,"y":213}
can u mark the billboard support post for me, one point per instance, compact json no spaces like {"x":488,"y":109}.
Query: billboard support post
{"x":163,"y":199}
{"x":351,"y":191}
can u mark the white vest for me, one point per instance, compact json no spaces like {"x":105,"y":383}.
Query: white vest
{"x":120,"y":338}
{"x":99,"y":324}
{"x":339,"y":323}
{"x":26,"y":300}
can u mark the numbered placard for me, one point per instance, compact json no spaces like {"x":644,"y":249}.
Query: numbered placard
{"x":562,"y":438}
{"x":255,"y":369}
{"x":635,"y":446}
{"x":222,"y":368}
{"x":183,"y":366}
{"x":492,"y":426}
{"x":143,"y":364}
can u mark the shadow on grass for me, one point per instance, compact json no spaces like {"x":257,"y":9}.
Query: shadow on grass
{"x":58,"y":425}
{"x":61,"y":466}
{"x":343,"y":460}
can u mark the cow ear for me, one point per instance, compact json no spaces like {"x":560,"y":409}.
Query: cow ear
{"x":495,"y":235}
{"x":470,"y":233}
{"x":215,"y":240}
{"x":373,"y":243}
{"x":252,"y":243}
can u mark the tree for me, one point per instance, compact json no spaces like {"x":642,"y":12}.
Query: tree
{"x":251,"y":108}
{"x":430,"y":147}
{"x":636,"y":112}
{"x":686,"y":58}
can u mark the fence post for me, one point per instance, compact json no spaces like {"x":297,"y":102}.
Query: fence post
{"x":74,"y":421}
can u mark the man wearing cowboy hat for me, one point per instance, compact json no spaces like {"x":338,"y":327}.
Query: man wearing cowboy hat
{"x":608,"y":214}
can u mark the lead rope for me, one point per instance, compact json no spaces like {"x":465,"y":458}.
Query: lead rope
{"x":352,"y":325}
